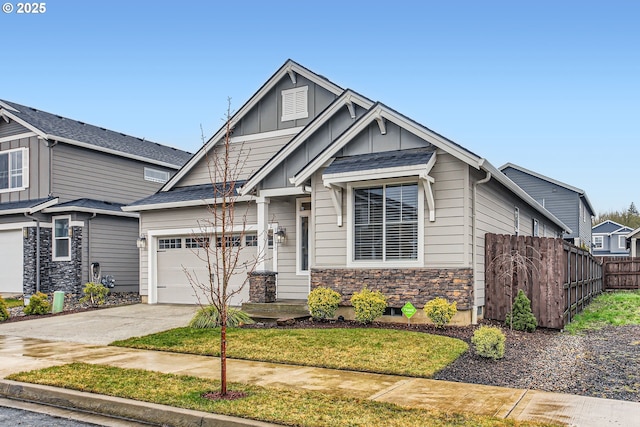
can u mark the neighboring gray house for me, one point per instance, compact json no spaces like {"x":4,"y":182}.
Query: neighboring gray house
{"x":62,"y":184}
{"x":633,"y":239}
{"x":359,"y":194}
{"x":569,"y":204}
{"x":610,"y":239}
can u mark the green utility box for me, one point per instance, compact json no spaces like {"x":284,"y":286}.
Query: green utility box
{"x":58,"y":301}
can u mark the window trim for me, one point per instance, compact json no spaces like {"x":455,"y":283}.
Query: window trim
{"x":624,"y":241}
{"x":158,"y":180}
{"x":24,"y":170}
{"x":54,"y":256}
{"x":595,"y":244}
{"x":351,"y":262}
{"x":302,"y":114}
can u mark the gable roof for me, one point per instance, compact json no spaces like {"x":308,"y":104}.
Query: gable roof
{"x":27,"y":206}
{"x":581,"y":193}
{"x":91,"y":206}
{"x":609,"y":227}
{"x":290,"y":68}
{"x":193,"y":195}
{"x":57,"y":128}
{"x":348,"y":97}
{"x":380,"y":160}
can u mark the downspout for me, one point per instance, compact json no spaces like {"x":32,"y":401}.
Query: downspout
{"x":37,"y":220}
{"x":89,"y":247}
{"x":474,"y":246}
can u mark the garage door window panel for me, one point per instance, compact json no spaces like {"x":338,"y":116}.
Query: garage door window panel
{"x":169,"y":244}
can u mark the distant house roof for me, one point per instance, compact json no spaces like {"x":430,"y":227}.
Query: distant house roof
{"x":196,"y":194}
{"x":580,"y":192}
{"x":26,"y":206}
{"x":382,"y":160}
{"x":58,"y":128}
{"x":610,"y":227}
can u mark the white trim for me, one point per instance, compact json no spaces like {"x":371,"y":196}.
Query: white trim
{"x":347,"y":98}
{"x":373,"y":174}
{"x":20,"y":225}
{"x":274,"y":134}
{"x":286,"y":68}
{"x":69,"y":237}
{"x":299,"y":215}
{"x":419,"y":262}
{"x":286,"y":191}
{"x":18,"y":136}
{"x":188,"y":203}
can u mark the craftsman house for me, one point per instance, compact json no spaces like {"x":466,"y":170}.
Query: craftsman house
{"x":62,"y":184}
{"x":610,"y":239}
{"x":340,"y":191}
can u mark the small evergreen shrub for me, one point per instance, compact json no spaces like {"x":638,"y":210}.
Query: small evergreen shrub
{"x":521,"y":318}
{"x":323,"y":303}
{"x":94,"y":292}
{"x":38,"y":304}
{"x":440,"y":311}
{"x":368,"y":305}
{"x":488,"y":342}
{"x":208,"y":317}
{"x":4,"y":312}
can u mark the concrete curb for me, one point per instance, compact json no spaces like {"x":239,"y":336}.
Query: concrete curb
{"x":121,"y":408}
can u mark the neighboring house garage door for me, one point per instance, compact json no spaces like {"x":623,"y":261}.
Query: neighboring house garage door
{"x":11,"y":256}
{"x":175,"y":254}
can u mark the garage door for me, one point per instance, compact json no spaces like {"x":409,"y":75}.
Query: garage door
{"x":180,"y":253}
{"x":11,"y":256}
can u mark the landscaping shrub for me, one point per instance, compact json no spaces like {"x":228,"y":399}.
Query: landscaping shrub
{"x":94,"y":292}
{"x":208,"y":317}
{"x":440,"y":311}
{"x":323,"y":303}
{"x":38,"y":304}
{"x":368,"y":305}
{"x":521,"y":318}
{"x":4,"y":312}
{"x":488,"y":342}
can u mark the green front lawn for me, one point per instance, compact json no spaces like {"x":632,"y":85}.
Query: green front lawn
{"x":608,"y":309}
{"x":369,"y":350}
{"x":282,"y":406}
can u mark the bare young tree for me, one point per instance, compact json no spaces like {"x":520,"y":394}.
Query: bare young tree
{"x":220,"y":236}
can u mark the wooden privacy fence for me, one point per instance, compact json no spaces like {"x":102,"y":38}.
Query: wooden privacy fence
{"x":621,"y":273}
{"x":559,"y":279}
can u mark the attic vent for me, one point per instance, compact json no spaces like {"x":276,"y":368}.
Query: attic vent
{"x":294,"y":103}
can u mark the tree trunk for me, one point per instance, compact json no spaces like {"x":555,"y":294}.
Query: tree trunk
{"x":223,"y":359}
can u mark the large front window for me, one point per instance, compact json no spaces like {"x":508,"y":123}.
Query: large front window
{"x":386,"y":223}
{"x":12,"y":169}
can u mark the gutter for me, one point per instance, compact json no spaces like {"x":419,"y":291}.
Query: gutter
{"x":474,"y":246}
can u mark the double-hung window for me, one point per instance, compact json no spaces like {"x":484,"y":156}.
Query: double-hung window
{"x":13,"y":169}
{"x":598,"y":242}
{"x":61,"y":238}
{"x":386,"y":223}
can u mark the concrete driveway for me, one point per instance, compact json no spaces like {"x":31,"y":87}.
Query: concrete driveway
{"x":103,"y":326}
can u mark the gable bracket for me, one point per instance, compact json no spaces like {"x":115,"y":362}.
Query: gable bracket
{"x":336,"y":197}
{"x":351,"y":107}
{"x":292,"y":75}
{"x":5,"y":117}
{"x":382,"y":125}
{"x":426,"y":181}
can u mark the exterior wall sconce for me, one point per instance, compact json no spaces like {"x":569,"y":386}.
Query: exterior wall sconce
{"x":141,"y":243}
{"x":281,"y":235}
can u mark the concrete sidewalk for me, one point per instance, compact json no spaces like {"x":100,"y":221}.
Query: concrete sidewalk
{"x":19,"y":353}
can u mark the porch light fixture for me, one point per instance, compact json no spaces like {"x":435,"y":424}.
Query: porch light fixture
{"x":281,"y":235}
{"x":141,"y":243}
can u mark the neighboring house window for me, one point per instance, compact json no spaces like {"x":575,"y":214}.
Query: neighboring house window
{"x":294,"y":103}
{"x":516,"y":221}
{"x":61,"y":238}
{"x":169,"y":243}
{"x":155,"y":175}
{"x":598,"y":242}
{"x":622,"y":242}
{"x":14,"y":171}
{"x":536,"y":228}
{"x":386,"y":223}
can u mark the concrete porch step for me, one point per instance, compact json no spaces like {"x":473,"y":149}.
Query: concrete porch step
{"x":296,"y":309}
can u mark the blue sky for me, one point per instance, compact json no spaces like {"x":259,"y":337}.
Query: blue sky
{"x":553,"y":86}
